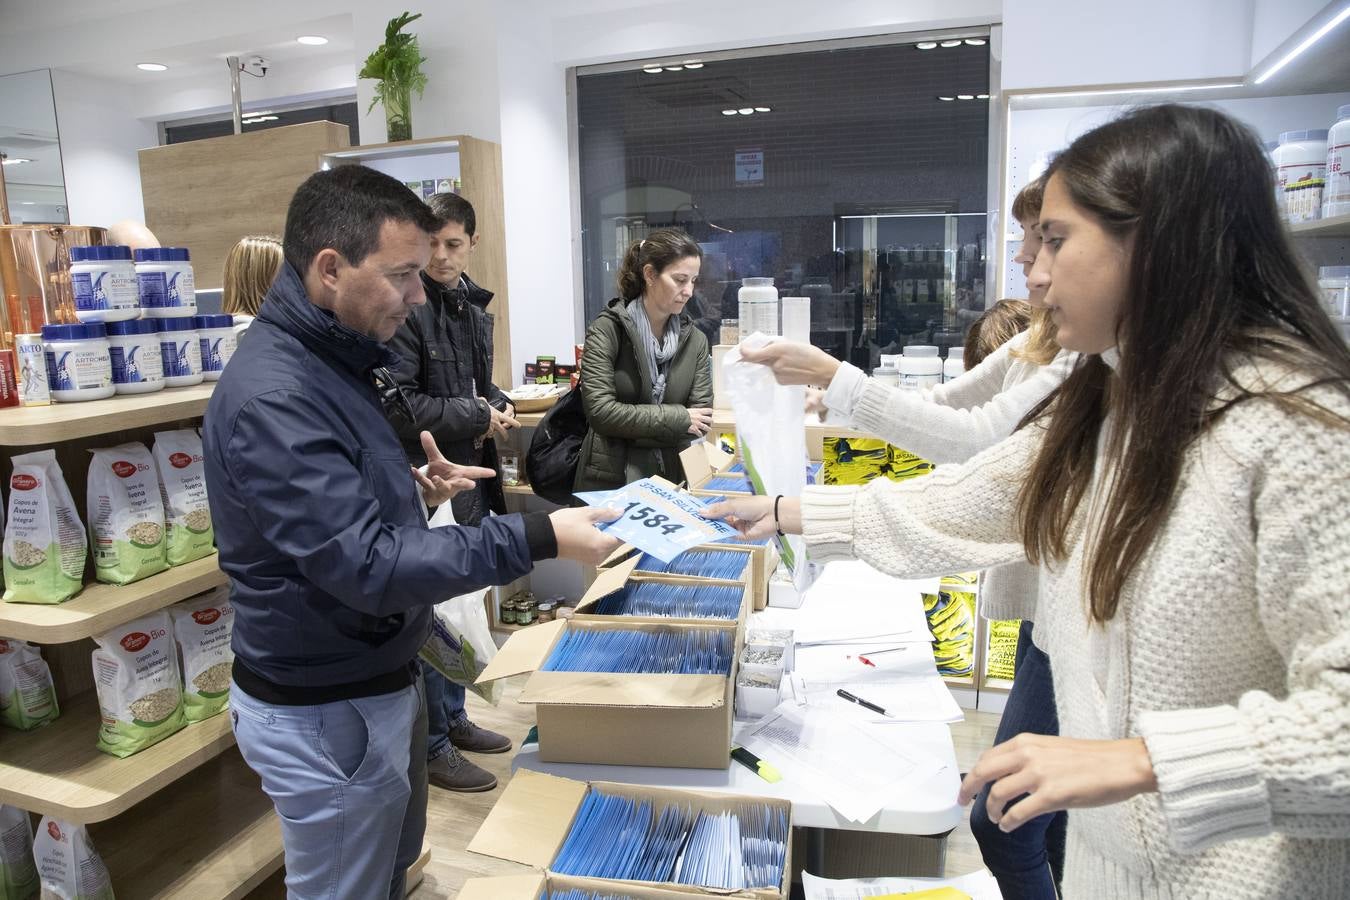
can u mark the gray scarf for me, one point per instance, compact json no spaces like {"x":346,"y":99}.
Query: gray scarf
{"x":659,"y":353}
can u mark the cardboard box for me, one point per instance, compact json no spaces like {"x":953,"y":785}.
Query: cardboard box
{"x":538,"y":885}
{"x":682,"y":721}
{"x":763,"y":560}
{"x":703,"y":461}
{"x":624,"y":573}
{"x":534,"y":815}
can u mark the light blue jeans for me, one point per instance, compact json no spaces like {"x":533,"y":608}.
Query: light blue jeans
{"x":349,"y":783}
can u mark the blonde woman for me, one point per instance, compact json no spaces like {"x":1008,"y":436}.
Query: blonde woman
{"x":249,"y":270}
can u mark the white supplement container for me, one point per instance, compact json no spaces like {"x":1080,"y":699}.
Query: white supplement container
{"x":955,"y":364}
{"x":164,"y":276}
{"x":180,"y":351}
{"x":31,"y":368}
{"x":920,"y":368}
{"x":1336,"y":195}
{"x":758,"y":300}
{"x":217,"y":337}
{"x":137,"y":363}
{"x":1301,"y":166}
{"x":892,"y":360}
{"x":888,"y":375}
{"x":78,"y":363}
{"x":797,"y":319}
{"x":103,"y":280}
{"x":1335,"y":284}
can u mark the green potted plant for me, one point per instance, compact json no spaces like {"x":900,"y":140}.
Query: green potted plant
{"x":396,"y":66}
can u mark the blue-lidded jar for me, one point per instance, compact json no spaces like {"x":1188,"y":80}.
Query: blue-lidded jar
{"x":218,"y":341}
{"x":103,"y":280}
{"x":164,"y":277}
{"x":180,"y":351}
{"x":137,"y":363}
{"x":78,"y":363}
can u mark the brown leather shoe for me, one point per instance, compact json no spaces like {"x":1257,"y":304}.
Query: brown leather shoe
{"x":452,"y":772}
{"x":467,"y":736}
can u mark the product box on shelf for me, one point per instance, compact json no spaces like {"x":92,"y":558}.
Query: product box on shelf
{"x":626,"y":719}
{"x":626,"y":573}
{"x":531,"y":821}
{"x":712,"y":472}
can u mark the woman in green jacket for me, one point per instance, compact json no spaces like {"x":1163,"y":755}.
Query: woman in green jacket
{"x":646,"y":377}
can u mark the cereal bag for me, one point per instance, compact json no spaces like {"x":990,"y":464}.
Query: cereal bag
{"x":182,"y":484}
{"x":126,"y":515}
{"x":44,"y":541}
{"x":201,"y":627}
{"x":27,"y":695}
{"x":68,"y":864}
{"x":140,"y":693}
{"x":18,"y":873}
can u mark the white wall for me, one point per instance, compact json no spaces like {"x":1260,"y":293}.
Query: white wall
{"x":1275,"y":21}
{"x":100,"y":137}
{"x":324,"y":75}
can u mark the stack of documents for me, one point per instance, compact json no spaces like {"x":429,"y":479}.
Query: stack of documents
{"x":686,"y":651}
{"x":726,"y":565}
{"x":975,"y":886}
{"x":683,"y":601}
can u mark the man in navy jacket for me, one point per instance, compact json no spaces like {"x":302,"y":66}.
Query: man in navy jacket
{"x":321,"y":529}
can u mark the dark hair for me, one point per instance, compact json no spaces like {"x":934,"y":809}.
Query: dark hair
{"x":1213,"y":284}
{"x":344,"y":209}
{"x":1027,"y":203}
{"x":660,"y":249}
{"x":999,"y":324}
{"x":454,"y":208}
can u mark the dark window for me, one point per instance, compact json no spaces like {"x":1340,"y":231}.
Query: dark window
{"x":341,"y":113}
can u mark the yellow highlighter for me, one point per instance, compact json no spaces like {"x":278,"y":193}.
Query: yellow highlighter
{"x":942,"y":893}
{"x":755,"y":764}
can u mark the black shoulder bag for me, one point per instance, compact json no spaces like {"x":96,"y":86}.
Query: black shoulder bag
{"x":551,"y":463}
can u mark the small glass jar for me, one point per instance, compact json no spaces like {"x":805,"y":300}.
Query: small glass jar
{"x":508,"y":612}
{"x":526,"y":612}
{"x":730,"y":333}
{"x":544,"y":612}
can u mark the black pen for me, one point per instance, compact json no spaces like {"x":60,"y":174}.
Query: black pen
{"x":861,"y":702}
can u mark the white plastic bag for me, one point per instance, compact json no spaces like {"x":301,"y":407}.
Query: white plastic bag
{"x":202,"y":626}
{"x":182,"y":485}
{"x":140,"y":692}
{"x":27,"y":694}
{"x":461,"y":645}
{"x":18,"y":872}
{"x":126,"y":514}
{"x":68,"y":864}
{"x":44,"y":541}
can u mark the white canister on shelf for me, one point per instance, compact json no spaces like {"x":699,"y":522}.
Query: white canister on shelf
{"x":955,"y":364}
{"x":1301,"y":166}
{"x":1335,"y":284}
{"x":1336,"y":194}
{"x":797,"y":319}
{"x":137,"y":360}
{"x":31,"y":369}
{"x":78,"y":363}
{"x":103,"y":281}
{"x":164,"y":277}
{"x":758,"y":300}
{"x":180,"y":352}
{"x":887,"y":375}
{"x":920,"y":368}
{"x":217,"y":337}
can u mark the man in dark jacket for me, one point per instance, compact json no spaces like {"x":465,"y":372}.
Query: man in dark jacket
{"x":446,"y":372}
{"x":333,"y":570}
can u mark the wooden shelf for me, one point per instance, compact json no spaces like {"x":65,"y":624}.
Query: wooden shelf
{"x":101,"y":606}
{"x":26,"y":426}
{"x":523,"y":489}
{"x":530,"y":420}
{"x":997,"y":684}
{"x":58,"y":771}
{"x":233,"y":843}
{"x":1334,"y":227}
{"x":959,"y":680}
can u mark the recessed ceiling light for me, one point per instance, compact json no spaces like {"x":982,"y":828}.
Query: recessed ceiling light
{"x":951,"y":43}
{"x":926,"y":45}
{"x":976,"y":42}
{"x":965,"y":96}
{"x":16,"y":160}
{"x":763,"y":109}
{"x":312,"y":40}
{"x":674,"y":68}
{"x":946,"y":99}
{"x":652,"y":70}
{"x":28,"y":203}
{"x":981,"y":96}
{"x":151,"y":67}
{"x":728,"y":112}
{"x":693,"y":64}
{"x":746,"y":110}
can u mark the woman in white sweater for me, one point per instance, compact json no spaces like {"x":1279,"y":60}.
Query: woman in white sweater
{"x":1185,"y":491}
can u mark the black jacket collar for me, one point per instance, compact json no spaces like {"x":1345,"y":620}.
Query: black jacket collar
{"x":288,"y":306}
{"x":478,"y":296}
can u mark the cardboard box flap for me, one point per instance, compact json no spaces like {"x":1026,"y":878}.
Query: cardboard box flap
{"x":531,"y":819}
{"x":523,"y":651}
{"x":617,"y":555}
{"x":626,"y":689}
{"x":701,"y":459}
{"x":504,"y":887}
{"x":609,"y":581}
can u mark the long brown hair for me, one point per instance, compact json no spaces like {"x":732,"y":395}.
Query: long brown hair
{"x":998,"y":324}
{"x":250,"y":268}
{"x":1214,"y":284}
{"x":660,"y":249}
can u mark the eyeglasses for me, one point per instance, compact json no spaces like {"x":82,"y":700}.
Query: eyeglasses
{"x":395,"y":402}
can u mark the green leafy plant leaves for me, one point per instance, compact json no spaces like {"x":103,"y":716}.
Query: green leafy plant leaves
{"x":396,"y":65}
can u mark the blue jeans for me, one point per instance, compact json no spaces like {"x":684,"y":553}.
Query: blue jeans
{"x":1029,"y":862}
{"x":349,"y":783}
{"x":445,"y":707}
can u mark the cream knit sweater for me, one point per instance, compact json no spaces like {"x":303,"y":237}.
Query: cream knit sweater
{"x":1230,"y":653}
{"x":952,"y":423}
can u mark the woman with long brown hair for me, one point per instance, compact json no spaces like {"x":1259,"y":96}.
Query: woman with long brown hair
{"x":1191,"y":475}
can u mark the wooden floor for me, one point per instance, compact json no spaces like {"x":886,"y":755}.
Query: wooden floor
{"x":452,"y":819}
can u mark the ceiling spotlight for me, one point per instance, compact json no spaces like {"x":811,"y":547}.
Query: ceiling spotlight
{"x":763,"y":109}
{"x":946,"y":99}
{"x":652,"y":70}
{"x":926,"y":45}
{"x":151,"y":67}
{"x":975,"y":42}
{"x":981,"y":96}
{"x":728,"y":112}
{"x":965,"y":96}
{"x":312,"y":40}
{"x":14,"y":161}
{"x":693,"y":64}
{"x":29,"y":202}
{"x":746,"y":110}
{"x":951,"y":43}
{"x":674,"y":68}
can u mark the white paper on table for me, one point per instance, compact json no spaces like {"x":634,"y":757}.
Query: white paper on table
{"x":979,"y":885}
{"x":886,"y":661}
{"x":926,"y":699}
{"x":844,"y":761}
{"x":880,"y":608}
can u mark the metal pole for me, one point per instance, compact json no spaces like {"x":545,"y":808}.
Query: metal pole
{"x":4,"y":196}
{"x":236,"y":103}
